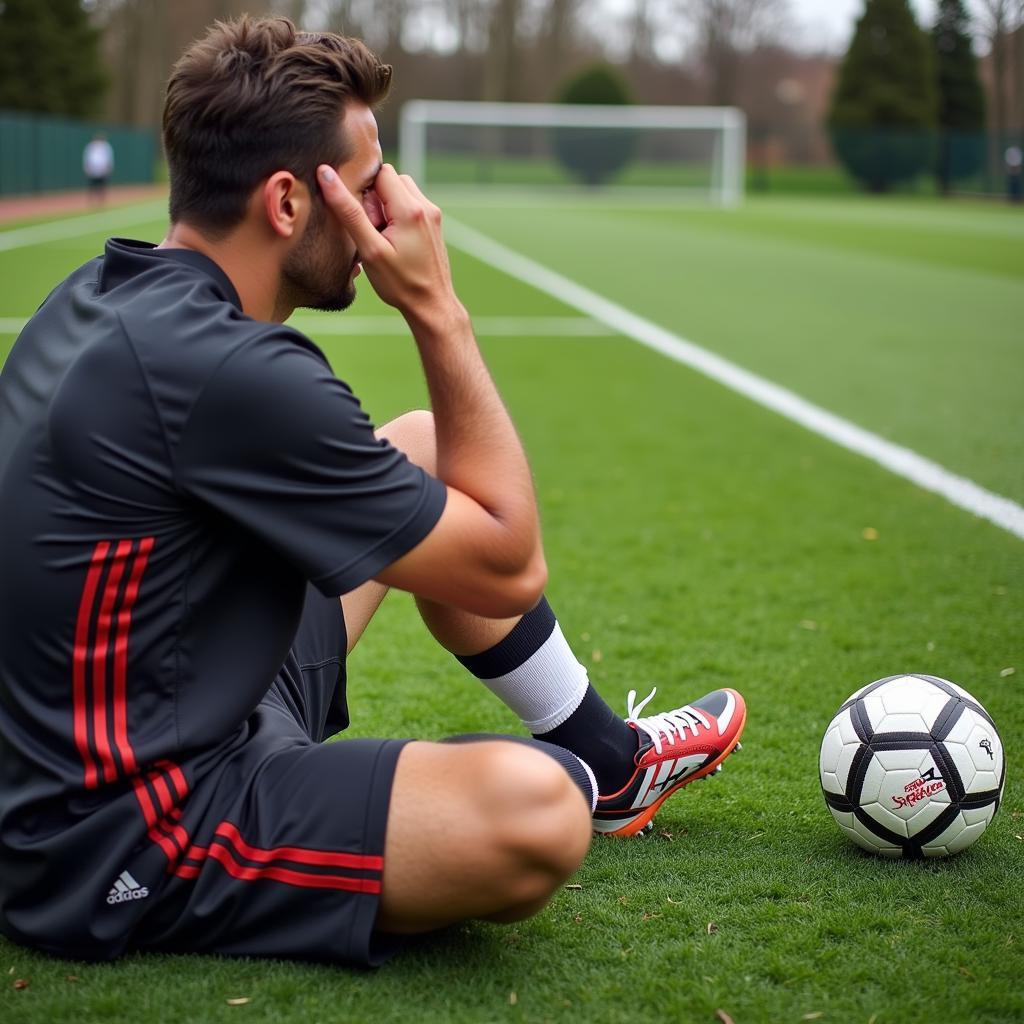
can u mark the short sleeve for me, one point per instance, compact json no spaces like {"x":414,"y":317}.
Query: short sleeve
{"x":279,"y":445}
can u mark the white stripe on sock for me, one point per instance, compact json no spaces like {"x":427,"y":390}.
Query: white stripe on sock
{"x":547,"y":688}
{"x":593,"y":783}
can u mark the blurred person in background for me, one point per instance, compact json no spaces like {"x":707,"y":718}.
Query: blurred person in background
{"x":1014,"y":183}
{"x":98,"y":164}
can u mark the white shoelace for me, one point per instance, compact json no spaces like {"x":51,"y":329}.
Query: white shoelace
{"x":668,"y":723}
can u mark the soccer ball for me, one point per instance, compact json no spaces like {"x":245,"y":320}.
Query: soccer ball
{"x":912,"y":766}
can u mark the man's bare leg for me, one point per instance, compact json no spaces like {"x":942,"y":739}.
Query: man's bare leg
{"x":457,"y":631}
{"x":478,"y":830}
{"x":487,"y":829}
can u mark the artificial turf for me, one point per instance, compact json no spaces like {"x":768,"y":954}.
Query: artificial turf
{"x":696,"y":540}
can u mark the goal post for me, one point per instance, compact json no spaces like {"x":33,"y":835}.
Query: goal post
{"x":685,"y":151}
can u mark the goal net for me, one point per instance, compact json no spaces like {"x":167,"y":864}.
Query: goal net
{"x":662,"y":152}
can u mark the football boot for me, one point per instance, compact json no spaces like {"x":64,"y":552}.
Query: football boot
{"x":675,"y":748}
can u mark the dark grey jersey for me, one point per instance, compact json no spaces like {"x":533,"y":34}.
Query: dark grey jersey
{"x":172,"y":473}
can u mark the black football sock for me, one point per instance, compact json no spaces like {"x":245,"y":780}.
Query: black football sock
{"x":534,"y":672}
{"x":595,"y":733}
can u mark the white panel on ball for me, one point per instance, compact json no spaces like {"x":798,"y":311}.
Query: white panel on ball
{"x":957,"y":836}
{"x":913,"y":696}
{"x":828,"y":762}
{"x":870,"y":841}
{"x":846,"y":728}
{"x":905,"y":721}
{"x":975,"y":748}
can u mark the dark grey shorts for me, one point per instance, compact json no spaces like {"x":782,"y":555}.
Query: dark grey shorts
{"x":281,"y":845}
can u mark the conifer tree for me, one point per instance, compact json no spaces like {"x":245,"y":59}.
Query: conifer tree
{"x":961,"y":98}
{"x":883,"y":109}
{"x":49,"y":58}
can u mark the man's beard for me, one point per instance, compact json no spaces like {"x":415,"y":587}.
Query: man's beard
{"x":312,"y":276}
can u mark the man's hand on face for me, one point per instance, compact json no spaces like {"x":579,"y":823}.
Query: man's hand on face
{"x":406,"y":260}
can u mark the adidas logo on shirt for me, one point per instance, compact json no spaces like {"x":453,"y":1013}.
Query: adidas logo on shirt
{"x":125,"y":888}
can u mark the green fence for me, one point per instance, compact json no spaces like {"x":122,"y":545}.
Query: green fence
{"x":40,"y":153}
{"x":885,"y":160}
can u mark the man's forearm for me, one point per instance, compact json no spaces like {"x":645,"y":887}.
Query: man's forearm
{"x":478,"y":449}
{"x":484,"y":554}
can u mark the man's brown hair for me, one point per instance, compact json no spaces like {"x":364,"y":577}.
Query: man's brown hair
{"x":252,"y":97}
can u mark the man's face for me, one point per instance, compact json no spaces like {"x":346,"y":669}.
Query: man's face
{"x":319,"y":273}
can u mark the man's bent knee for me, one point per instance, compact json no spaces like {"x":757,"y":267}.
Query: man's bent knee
{"x":413,"y":433}
{"x":537,"y":817}
{"x":486,"y":830}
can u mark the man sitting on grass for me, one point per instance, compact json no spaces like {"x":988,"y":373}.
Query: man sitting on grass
{"x":186,"y":489}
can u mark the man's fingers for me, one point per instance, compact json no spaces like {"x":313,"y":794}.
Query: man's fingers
{"x":394,"y":196}
{"x":349,"y":211}
{"x":411,"y":185}
{"x":414,"y":190}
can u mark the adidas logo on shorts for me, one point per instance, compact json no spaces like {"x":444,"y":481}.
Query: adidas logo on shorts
{"x":125,"y":888}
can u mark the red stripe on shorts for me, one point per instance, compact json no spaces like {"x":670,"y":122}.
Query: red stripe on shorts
{"x":297,"y":854}
{"x":231,"y":845}
{"x":303,"y":879}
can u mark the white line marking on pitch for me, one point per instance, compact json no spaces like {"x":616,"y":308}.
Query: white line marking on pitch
{"x":903,"y":462}
{"x":72,"y":227}
{"x":485,"y":326}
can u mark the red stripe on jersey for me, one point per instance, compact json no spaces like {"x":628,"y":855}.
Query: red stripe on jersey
{"x":162,"y":815}
{"x":163,"y":792}
{"x":80,"y":659}
{"x":175,"y":832}
{"x":297,"y":854}
{"x":199,"y":853}
{"x":196,"y":853}
{"x":178,"y":832}
{"x":177,"y":776}
{"x":124,"y":622}
{"x":303,"y":879}
{"x":165,"y":843}
{"x":101,"y":736}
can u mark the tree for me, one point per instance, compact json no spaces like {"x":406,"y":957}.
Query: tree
{"x":725,"y":28}
{"x":501,"y":69}
{"x":961,"y":99}
{"x":884,"y":107}
{"x":49,"y":58}
{"x":557,"y":32}
{"x":594,"y":155}
{"x":143,"y":38}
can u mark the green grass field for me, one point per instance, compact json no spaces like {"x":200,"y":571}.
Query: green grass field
{"x":695,"y":540}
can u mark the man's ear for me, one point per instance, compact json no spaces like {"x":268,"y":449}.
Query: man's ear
{"x":286,"y":203}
